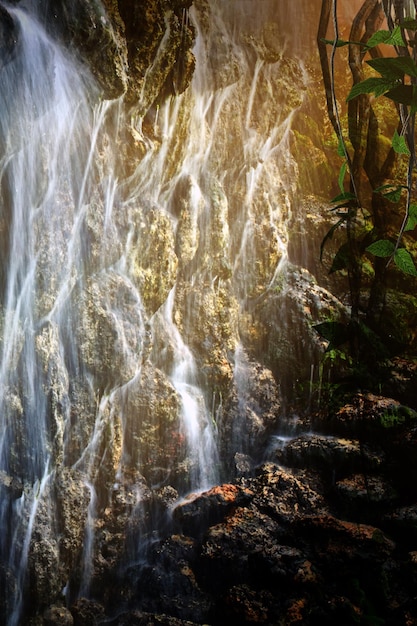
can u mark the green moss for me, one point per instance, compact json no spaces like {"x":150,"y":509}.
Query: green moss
{"x":397,"y":416}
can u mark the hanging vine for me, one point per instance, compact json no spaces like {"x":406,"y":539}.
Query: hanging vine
{"x":377,"y":206}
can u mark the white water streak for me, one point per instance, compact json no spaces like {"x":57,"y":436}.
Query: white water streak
{"x":197,"y":424}
{"x":33,"y":497}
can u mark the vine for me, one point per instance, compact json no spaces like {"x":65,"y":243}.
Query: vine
{"x":376,"y":207}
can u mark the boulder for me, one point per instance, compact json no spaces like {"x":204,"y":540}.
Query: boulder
{"x":373,"y":417}
{"x":197,"y":512}
{"x":158,"y":39}
{"x":334,"y":457}
{"x":95,"y":31}
{"x":57,"y":616}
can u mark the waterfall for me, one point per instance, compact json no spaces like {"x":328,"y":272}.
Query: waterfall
{"x":127,"y":289}
{"x":45,"y":118}
{"x":195,"y":417}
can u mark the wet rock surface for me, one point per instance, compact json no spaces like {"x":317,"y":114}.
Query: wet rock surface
{"x":319,"y":533}
{"x":120,"y":41}
{"x":319,"y":530}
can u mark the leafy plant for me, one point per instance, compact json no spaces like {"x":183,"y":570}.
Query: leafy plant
{"x":376,"y":207}
{"x":396,"y":81}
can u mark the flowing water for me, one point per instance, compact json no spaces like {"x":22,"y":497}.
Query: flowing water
{"x":105,"y":376}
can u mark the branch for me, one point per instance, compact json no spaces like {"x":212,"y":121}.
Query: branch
{"x":324,"y":60}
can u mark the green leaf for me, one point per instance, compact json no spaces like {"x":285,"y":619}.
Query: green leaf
{"x":330,"y":233}
{"x":346,"y":195}
{"x":393,"y":68}
{"x":389,"y":186}
{"x":399,"y":144}
{"x":381,"y":36}
{"x":335,"y":333}
{"x":341,"y":178}
{"x":393,"y":38}
{"x":378,"y":86}
{"x":394,"y":195}
{"x":341,"y":148}
{"x":412,"y":218}
{"x":342,"y":259}
{"x":396,"y":38}
{"x":404,"y":261}
{"x":381,"y":248}
{"x":339,"y":43}
{"x":403,"y":94}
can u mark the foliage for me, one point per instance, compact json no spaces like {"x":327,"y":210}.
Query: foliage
{"x":396,"y":82}
{"x":391,"y":419}
{"x":376,"y":207}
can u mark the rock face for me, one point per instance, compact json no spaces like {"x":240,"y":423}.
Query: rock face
{"x":155,"y":337}
{"x":333,"y":543}
{"x":121,"y":40}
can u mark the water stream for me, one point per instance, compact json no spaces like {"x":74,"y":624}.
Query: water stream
{"x":122,"y":299}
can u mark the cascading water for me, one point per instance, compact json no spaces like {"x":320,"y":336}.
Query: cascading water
{"x":45,"y":118}
{"x":126,"y":303}
{"x":195,"y":418}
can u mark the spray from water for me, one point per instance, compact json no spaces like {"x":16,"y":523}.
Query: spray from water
{"x":122,"y":300}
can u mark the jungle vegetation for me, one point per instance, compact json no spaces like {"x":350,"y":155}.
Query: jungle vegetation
{"x":373,"y":115}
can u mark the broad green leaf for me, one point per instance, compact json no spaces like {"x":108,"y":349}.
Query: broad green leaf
{"x":393,"y":196}
{"x":404,"y":260}
{"x":341,"y":178}
{"x":412,"y":218}
{"x":389,"y":186}
{"x":403,"y":94}
{"x":393,"y":68}
{"x":346,"y":195}
{"x":381,"y":248}
{"x":385,"y":36}
{"x":396,"y":37}
{"x":375,"y":85}
{"x":330,"y":233}
{"x":381,"y":36}
{"x":399,"y":144}
{"x":335,"y":333}
{"x":342,"y":259}
{"x":394,"y":193}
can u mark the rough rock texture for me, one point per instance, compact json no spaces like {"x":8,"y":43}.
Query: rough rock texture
{"x":139,"y":48}
{"x":110,"y":331}
{"x":159,"y":39}
{"x":154,"y":442}
{"x":248,"y":416}
{"x":332,"y":542}
{"x":278,"y":326}
{"x":154,"y":262}
{"x":287,"y":545}
{"x":170,"y":277}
